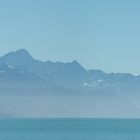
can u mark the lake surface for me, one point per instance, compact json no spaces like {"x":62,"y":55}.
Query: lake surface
{"x":69,"y":129}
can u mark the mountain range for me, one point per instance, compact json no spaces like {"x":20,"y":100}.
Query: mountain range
{"x":36,"y":88}
{"x":21,"y":67}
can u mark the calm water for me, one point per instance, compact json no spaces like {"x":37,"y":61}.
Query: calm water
{"x":69,"y":129}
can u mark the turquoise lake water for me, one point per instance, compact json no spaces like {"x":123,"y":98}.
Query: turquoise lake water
{"x":69,"y":129}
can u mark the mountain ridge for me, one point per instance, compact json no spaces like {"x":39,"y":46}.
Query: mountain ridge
{"x":32,"y":88}
{"x":71,"y":74}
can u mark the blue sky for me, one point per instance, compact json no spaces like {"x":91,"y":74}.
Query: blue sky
{"x":100,"y":34}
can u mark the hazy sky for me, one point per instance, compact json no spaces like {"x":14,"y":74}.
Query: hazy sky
{"x":100,"y":34}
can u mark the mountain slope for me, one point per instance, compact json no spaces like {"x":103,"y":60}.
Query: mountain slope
{"x":14,"y":74}
{"x":65,"y":74}
{"x":72,"y":75}
{"x":32,"y":88}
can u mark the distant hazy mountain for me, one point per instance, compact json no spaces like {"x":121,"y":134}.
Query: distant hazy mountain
{"x":15,"y":74}
{"x":71,"y":75}
{"x":29,"y":87}
{"x":66,"y":74}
